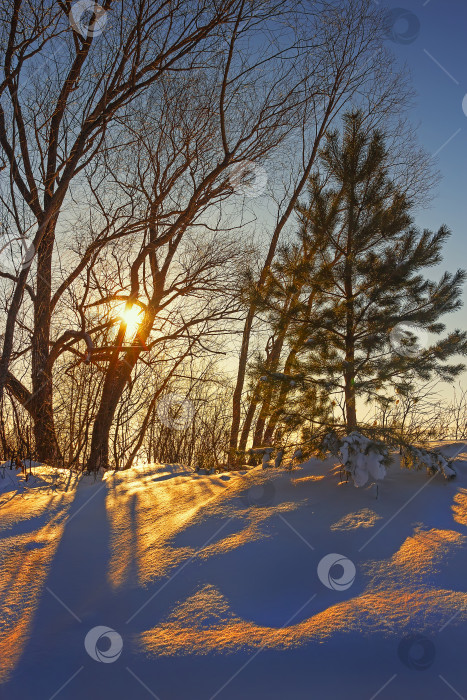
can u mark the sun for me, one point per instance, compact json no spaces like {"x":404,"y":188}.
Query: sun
{"x":132,"y":318}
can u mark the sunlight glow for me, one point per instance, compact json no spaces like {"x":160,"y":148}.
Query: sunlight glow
{"x":132,"y":318}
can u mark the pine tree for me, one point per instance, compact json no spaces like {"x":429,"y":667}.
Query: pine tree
{"x":278,"y":396}
{"x":370,"y":279}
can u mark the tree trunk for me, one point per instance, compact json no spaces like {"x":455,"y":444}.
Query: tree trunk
{"x":289,"y":363}
{"x":117,"y":375}
{"x":274,"y":418}
{"x":112,"y":390}
{"x":42,"y":391}
{"x":350,"y":405}
{"x":349,"y":367}
{"x":349,"y":372}
{"x":255,"y":399}
{"x":248,"y":421}
{"x":258,"y":434}
{"x":237,"y":395}
{"x":243,"y":359}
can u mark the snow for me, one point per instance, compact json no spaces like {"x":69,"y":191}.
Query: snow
{"x":298,"y":454}
{"x":434,"y":460}
{"x":222,"y":586}
{"x":361,"y":459}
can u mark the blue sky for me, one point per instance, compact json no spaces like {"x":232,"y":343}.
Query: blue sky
{"x":431,"y":38}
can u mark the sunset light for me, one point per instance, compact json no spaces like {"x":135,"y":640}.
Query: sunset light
{"x":132,"y":317}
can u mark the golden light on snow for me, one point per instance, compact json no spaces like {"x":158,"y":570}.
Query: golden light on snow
{"x":252,"y":530}
{"x":364,"y":518}
{"x":205,"y":622}
{"x":143,"y":518}
{"x":306,"y":479}
{"x":26,"y":560}
{"x":147,"y":513}
{"x":399,"y":596}
{"x":459,"y":507}
{"x":163,"y":517}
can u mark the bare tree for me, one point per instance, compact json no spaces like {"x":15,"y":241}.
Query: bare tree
{"x":457,"y":413}
{"x":182,"y":177}
{"x":419,"y":417}
{"x":62,"y":86}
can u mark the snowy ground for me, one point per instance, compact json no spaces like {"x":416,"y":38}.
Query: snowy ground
{"x":212,"y":589}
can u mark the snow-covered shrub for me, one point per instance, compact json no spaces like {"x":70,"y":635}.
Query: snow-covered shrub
{"x":274,"y":457}
{"x":265,"y":453}
{"x":432,"y":460}
{"x":278,"y":460}
{"x":298,"y":454}
{"x":295,"y":459}
{"x":363,"y":459}
{"x":366,"y":458}
{"x":331,"y":443}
